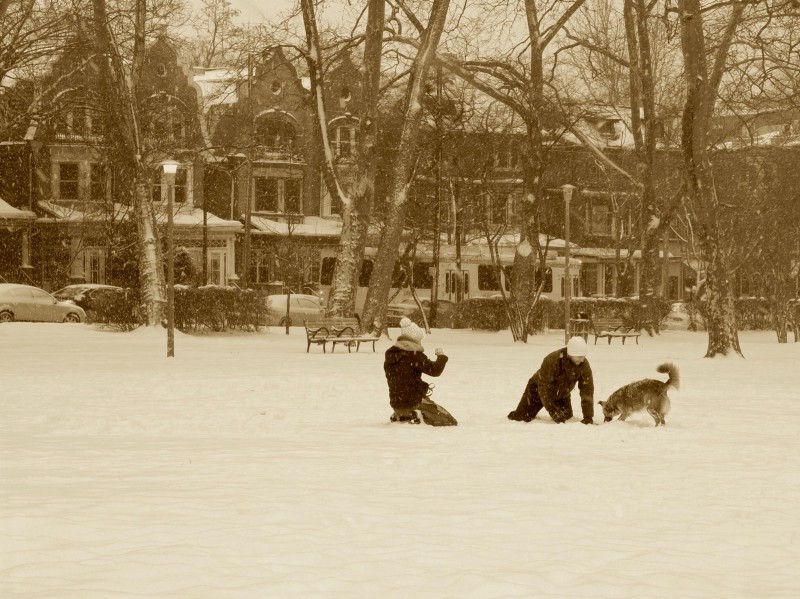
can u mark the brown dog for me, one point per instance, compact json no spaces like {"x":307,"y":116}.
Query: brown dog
{"x":648,"y":394}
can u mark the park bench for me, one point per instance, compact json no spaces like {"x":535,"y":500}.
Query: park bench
{"x":610,"y":328}
{"x":334,"y":330}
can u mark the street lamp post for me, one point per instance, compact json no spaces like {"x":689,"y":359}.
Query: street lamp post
{"x":237,"y":160}
{"x":567,"y":191}
{"x":170,"y":168}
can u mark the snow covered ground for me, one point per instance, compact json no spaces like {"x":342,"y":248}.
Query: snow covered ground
{"x":246,"y":468}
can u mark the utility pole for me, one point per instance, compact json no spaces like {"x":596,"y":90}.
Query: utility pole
{"x":437,"y":213}
{"x":248,"y":195}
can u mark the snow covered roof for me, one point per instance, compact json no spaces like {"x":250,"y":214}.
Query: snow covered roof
{"x":312,"y":226}
{"x":217,"y":86}
{"x":185,"y":216}
{"x":8,"y":212}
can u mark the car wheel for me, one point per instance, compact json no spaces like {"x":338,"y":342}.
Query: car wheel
{"x":72,"y":317}
{"x":283,"y":322}
{"x":6,"y":316}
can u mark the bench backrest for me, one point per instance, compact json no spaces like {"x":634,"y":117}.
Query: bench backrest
{"x":335,"y":325}
{"x":606,"y":324}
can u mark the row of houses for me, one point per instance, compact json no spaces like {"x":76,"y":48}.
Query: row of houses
{"x":250,"y":205}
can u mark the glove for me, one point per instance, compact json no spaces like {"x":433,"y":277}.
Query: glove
{"x":587,"y":421}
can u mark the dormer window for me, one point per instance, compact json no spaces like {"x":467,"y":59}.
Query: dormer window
{"x":161,"y":69}
{"x":276,"y":87}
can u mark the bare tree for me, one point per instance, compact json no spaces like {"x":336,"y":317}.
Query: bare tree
{"x":702,"y":82}
{"x":120,"y":91}
{"x":381,"y":280}
{"x":357,"y":201}
{"x":217,"y":37}
{"x":32,"y":33}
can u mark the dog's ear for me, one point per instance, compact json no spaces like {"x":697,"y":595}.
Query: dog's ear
{"x":601,"y":403}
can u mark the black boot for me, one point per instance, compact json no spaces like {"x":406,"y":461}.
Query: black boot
{"x":411,"y":418}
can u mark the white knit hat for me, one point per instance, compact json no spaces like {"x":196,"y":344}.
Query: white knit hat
{"x":577,"y":347}
{"x":410,"y":330}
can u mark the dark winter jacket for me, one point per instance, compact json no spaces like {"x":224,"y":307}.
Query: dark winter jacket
{"x":557,"y":377}
{"x":404,"y":365}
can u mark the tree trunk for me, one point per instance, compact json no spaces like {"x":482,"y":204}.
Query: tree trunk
{"x":389,"y":247}
{"x":356,"y":213}
{"x":125,"y":140}
{"x":700,"y":97}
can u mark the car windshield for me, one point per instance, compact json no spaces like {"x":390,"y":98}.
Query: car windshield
{"x":69,"y":292}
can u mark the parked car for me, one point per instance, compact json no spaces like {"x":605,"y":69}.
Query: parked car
{"x":395,"y":312}
{"x":301,"y":307}
{"x":86,"y":295}
{"x":23,"y":302}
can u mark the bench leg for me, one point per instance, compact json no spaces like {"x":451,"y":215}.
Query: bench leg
{"x":609,"y":339}
{"x":623,"y":340}
{"x":308,"y":347}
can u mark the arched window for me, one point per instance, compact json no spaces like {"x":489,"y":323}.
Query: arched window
{"x":167,"y":124}
{"x":275,"y":134}
{"x":344,"y":136}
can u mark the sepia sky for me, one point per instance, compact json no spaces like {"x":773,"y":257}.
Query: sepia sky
{"x":256,"y":11}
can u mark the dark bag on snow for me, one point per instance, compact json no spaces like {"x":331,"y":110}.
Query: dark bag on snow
{"x":435,"y":415}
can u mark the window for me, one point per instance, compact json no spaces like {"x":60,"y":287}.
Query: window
{"x":366,"y":273}
{"x":326,"y":271}
{"x":168,"y":124}
{"x":608,"y":129}
{"x":545,"y":275}
{"x":78,"y":123}
{"x":344,"y":141}
{"x":93,"y":265}
{"x":265,"y":194}
{"x":97,"y":183}
{"x":68,"y":181}
{"x":506,"y":156}
{"x":259,"y":268}
{"x":272,"y":194}
{"x":275,"y":134}
{"x":488,"y":278}
{"x":423,"y":277}
{"x":159,"y":190}
{"x":601,"y":219}
{"x":292,"y":196}
{"x":498,"y":208}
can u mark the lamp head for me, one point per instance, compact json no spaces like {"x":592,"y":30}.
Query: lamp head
{"x":170,"y":166}
{"x":568,"y":190}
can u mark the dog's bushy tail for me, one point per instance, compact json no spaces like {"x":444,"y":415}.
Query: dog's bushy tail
{"x":674,"y":375}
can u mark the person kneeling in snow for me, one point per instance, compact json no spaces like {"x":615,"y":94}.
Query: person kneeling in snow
{"x":404,"y":364}
{"x":551,"y":385}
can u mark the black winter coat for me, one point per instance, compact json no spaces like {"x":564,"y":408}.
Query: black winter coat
{"x":404,"y":364}
{"x":557,"y":377}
